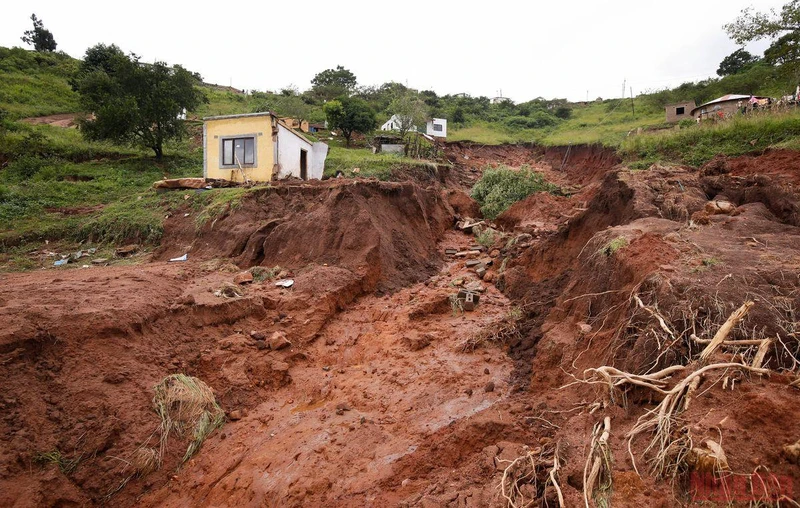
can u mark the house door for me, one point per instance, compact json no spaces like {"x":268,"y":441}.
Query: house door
{"x":304,"y":164}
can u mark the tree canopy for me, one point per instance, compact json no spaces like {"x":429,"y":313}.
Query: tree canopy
{"x":349,"y":115}
{"x":736,"y":62}
{"x":332,"y":83}
{"x":754,"y":25}
{"x":40,"y":38}
{"x":135,"y":102}
{"x":411,"y":111}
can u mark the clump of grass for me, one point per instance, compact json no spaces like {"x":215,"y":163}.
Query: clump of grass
{"x":501,"y":187}
{"x":711,"y":262}
{"x":65,"y":465}
{"x":185,"y":403}
{"x":261,"y":273}
{"x":614,"y":245}
{"x":486,"y":237}
{"x":220,"y":202}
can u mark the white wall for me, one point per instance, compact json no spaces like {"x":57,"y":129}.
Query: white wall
{"x":289,"y":146}
{"x":436,"y":121}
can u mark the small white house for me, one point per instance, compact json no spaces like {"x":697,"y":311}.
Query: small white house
{"x":299,"y":157}
{"x":393,"y":124}
{"x":436,"y":127}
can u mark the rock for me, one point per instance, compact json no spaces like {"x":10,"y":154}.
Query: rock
{"x":236,"y":414}
{"x":489,"y":277}
{"x":257,"y":335}
{"x":450,"y":252}
{"x":100,"y":261}
{"x":278,"y":341}
{"x":495,"y":253}
{"x":486,"y":370}
{"x":261,"y":345}
{"x":719,"y":207}
{"x":243,"y":278}
{"x":480,"y":271}
{"x":471,"y":263}
{"x":417,"y":343}
{"x":127,"y":250}
{"x":489,"y":387}
{"x":792,"y":452}
{"x":584,"y":328}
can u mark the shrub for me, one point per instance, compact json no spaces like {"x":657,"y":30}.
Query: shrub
{"x":501,"y":187}
{"x":686,"y":123}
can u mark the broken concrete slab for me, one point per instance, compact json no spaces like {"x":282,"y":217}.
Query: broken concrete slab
{"x":127,"y":250}
{"x":468,"y":299}
{"x":451,"y":252}
{"x":472,"y":263}
{"x":480,"y":271}
{"x":181,"y":183}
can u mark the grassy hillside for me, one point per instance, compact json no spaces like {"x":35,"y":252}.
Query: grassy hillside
{"x":36,"y":84}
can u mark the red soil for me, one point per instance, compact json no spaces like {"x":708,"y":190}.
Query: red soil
{"x":376,"y":402}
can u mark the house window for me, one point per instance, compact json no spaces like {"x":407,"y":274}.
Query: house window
{"x":679,"y":111}
{"x":437,"y":127}
{"x":239,"y":151}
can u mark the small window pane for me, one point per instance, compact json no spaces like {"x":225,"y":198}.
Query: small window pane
{"x":437,"y":127}
{"x":249,"y":151}
{"x":227,"y":152}
{"x":239,"y":150}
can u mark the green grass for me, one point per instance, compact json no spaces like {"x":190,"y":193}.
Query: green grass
{"x":614,"y":245}
{"x":381,"y":166}
{"x":700,"y":143}
{"x":218,"y":202}
{"x":65,"y":465}
{"x":36,"y":84}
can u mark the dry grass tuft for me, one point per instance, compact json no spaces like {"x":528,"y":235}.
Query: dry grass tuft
{"x":185,"y":403}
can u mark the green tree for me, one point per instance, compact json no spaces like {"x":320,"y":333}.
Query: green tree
{"x":40,"y":37}
{"x":736,"y":62}
{"x":785,"y":50}
{"x":752,"y":25}
{"x":137,"y":103}
{"x":97,"y":58}
{"x":349,"y":115}
{"x":332,"y":83}
{"x":411,"y":111}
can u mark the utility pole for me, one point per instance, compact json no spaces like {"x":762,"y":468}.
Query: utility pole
{"x":624,"y":82}
{"x":633,"y":111}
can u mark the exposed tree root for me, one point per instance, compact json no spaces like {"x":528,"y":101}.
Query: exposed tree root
{"x":526,"y":478}
{"x":724,"y":330}
{"x":600,"y":459}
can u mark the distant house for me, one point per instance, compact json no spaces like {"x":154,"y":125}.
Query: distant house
{"x":727,"y":105}
{"x":498,"y":100}
{"x":679,"y":111}
{"x":393,"y":124}
{"x":436,"y":127}
{"x":258,"y":147}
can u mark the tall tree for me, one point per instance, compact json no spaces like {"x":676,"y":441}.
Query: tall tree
{"x":40,"y":37}
{"x":755,"y":25}
{"x":332,"y":83}
{"x":785,"y":50}
{"x":137,"y":103}
{"x":736,"y":62}
{"x":410,"y":111}
{"x":349,"y":115}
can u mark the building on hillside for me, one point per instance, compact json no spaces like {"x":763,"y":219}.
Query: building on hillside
{"x":393,"y":124}
{"x":436,"y":127}
{"x":679,"y":111}
{"x":500,"y":99}
{"x":258,"y":147}
{"x":727,"y":105}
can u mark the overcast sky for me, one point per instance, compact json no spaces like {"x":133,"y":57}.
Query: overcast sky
{"x":552,"y":49}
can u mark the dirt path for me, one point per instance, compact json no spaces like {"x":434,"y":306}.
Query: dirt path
{"x":60,"y":120}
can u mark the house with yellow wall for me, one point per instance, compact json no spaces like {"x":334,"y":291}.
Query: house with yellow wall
{"x":258,"y":147}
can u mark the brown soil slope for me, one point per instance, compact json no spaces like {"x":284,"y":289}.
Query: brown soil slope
{"x":396,"y":398}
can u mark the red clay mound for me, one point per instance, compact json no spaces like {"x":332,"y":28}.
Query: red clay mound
{"x":384,"y":232}
{"x":540,"y":212}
